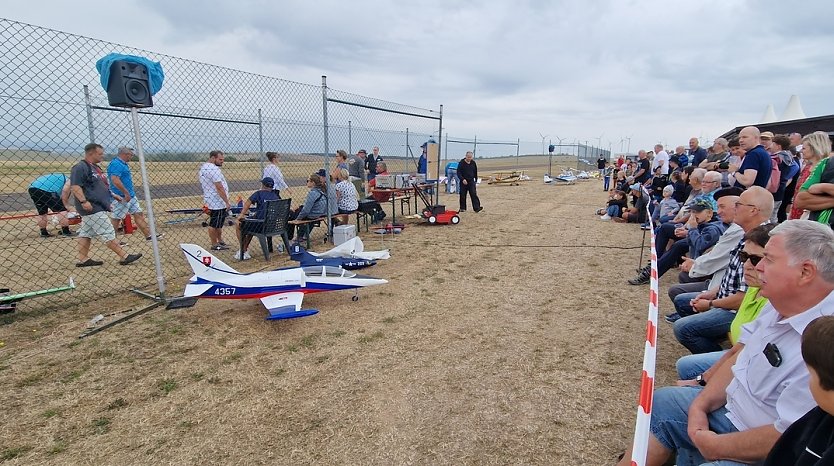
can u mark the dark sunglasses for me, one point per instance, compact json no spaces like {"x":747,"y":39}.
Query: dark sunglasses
{"x":744,"y":257}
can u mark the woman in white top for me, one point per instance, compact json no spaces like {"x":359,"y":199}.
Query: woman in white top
{"x":272,"y":171}
{"x":346,"y":196}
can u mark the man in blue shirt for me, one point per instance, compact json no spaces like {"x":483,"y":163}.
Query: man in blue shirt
{"x":121,"y":185}
{"x":697,"y":154}
{"x":51,"y":192}
{"x":755,"y":168}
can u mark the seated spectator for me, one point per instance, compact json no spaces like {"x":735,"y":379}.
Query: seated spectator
{"x":346,"y":197}
{"x":704,"y":230}
{"x":708,"y":315}
{"x":341,"y":159}
{"x":617,"y":203}
{"x":755,"y":395}
{"x":315,"y":206}
{"x":704,"y":184}
{"x":667,"y":207}
{"x":808,"y":441}
{"x":816,"y":194}
{"x":640,"y":201}
{"x":658,"y":182}
{"x":720,"y":152}
{"x":378,"y":196}
{"x":680,"y":181}
{"x":258,"y":199}
{"x":699,"y":368}
{"x":622,"y":183}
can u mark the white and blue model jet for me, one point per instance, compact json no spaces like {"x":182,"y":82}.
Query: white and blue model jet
{"x":281,"y":291}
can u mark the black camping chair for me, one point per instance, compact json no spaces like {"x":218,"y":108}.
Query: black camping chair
{"x":274,"y":223}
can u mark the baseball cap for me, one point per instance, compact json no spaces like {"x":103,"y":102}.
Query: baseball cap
{"x":268,"y":182}
{"x":766,"y":135}
{"x":700,"y":205}
{"x":362,"y":151}
{"x":635,"y":187}
{"x":731,"y":191}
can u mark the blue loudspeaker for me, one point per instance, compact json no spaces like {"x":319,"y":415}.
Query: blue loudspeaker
{"x":128,"y":86}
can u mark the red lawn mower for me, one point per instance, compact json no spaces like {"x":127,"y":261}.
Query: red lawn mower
{"x":436,"y":214}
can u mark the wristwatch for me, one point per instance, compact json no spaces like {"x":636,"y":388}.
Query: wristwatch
{"x":700,"y":380}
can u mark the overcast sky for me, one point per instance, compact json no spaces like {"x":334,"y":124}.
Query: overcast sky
{"x":655,"y":71}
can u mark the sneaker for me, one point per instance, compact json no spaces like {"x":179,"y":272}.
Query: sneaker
{"x":130,"y":258}
{"x":219,"y":247}
{"x":479,"y":209}
{"x":45,"y":234}
{"x":672,"y":318}
{"x":644,"y":226}
{"x":605,"y":217}
{"x":244,"y":257}
{"x":158,"y":236}
{"x":462,"y":210}
{"x":89,"y":263}
{"x":641,"y":279}
{"x":122,"y":243}
{"x":68,"y":234}
{"x":223,"y":243}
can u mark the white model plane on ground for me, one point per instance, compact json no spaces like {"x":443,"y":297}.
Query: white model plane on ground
{"x":281,"y":291}
{"x":354,"y":249}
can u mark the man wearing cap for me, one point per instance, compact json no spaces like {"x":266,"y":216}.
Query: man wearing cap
{"x":756,"y":165}
{"x":257,"y":203}
{"x":356,"y":171}
{"x":640,"y":199}
{"x":422,"y":164}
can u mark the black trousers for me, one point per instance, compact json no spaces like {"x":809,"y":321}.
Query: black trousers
{"x":469,"y":187}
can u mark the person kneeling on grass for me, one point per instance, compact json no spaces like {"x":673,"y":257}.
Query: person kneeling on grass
{"x":259,"y":198}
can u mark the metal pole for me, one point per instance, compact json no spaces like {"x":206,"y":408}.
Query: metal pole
{"x":350,"y":138}
{"x":261,"y":140}
{"x":89,"y":106}
{"x":326,"y":156}
{"x":437,"y":175}
{"x":475,"y":148}
{"x":550,"y":159}
{"x":517,"y":144}
{"x":406,"y":149}
{"x":146,"y":188}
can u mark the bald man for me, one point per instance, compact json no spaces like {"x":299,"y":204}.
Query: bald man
{"x":697,"y":154}
{"x":755,"y":168}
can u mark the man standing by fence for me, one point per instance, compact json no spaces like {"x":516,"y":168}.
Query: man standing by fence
{"x":121,"y":184}
{"x":356,"y":172}
{"x":216,"y":197}
{"x":92,"y":200}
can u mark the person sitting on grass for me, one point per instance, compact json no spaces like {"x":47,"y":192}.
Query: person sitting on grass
{"x":258,"y":199}
{"x":617,"y":203}
{"x":809,"y":440}
{"x":640,"y":200}
{"x":315,"y":206}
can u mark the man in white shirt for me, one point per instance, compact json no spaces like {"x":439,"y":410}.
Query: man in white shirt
{"x":215,"y":197}
{"x":661,"y":159}
{"x":737,"y":415}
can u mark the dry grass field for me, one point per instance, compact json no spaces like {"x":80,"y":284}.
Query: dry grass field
{"x":511,"y":338}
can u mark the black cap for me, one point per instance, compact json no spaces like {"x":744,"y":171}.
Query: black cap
{"x":731,"y":191}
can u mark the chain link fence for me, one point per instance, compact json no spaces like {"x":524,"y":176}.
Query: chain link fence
{"x":52,"y":105}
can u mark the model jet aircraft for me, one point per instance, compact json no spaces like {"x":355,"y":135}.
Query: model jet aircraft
{"x":305,"y":259}
{"x":355,"y":249}
{"x":8,"y":302}
{"x":281,"y":291}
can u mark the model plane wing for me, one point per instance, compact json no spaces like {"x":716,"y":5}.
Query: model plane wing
{"x":286,"y":306}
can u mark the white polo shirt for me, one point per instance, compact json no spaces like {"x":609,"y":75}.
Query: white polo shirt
{"x":761,"y":394}
{"x":210,"y":174}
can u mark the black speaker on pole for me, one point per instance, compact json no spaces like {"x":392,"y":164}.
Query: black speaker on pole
{"x":128,"y":85}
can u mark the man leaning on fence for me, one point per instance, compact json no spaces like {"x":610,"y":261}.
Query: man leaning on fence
{"x":92,"y":200}
{"x":753,"y":396}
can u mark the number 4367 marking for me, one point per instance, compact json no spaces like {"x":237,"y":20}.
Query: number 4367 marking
{"x":224,"y":291}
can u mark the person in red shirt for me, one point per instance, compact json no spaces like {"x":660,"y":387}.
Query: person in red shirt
{"x":381,"y":169}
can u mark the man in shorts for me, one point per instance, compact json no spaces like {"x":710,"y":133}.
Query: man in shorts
{"x":215,"y":197}
{"x":92,"y":200}
{"x":121,"y":185}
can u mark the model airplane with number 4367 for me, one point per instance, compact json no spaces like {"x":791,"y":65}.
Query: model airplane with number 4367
{"x":281,"y":291}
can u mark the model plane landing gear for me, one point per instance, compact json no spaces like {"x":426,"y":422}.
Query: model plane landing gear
{"x":355,"y":298}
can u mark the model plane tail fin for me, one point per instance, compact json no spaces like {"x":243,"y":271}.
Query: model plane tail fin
{"x":204,"y":264}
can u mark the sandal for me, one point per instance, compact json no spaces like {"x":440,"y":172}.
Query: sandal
{"x":89,"y":263}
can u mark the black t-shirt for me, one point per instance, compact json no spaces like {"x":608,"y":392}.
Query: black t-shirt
{"x":646,"y":166}
{"x":808,"y":442}
{"x":640,"y":204}
{"x":600,"y":163}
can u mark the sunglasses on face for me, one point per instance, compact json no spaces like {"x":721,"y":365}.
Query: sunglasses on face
{"x":744,"y":257}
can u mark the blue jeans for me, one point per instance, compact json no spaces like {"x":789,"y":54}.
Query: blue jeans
{"x":672,"y":257}
{"x":613,"y":210}
{"x":669,"y":423}
{"x":606,"y":181}
{"x":664,"y":232}
{"x":682,"y":305}
{"x":700,"y":333}
{"x":693,"y":365}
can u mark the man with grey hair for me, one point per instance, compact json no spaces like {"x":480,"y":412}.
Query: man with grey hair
{"x":753,"y":396}
{"x":720,"y":153}
{"x":124,"y":195}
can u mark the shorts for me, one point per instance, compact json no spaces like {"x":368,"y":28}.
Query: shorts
{"x":217,"y":218}
{"x":121,"y":209}
{"x":46,"y":201}
{"x":97,"y":225}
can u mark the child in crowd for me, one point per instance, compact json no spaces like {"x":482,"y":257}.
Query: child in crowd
{"x":667,"y":208}
{"x":606,"y":175}
{"x":809,"y":441}
{"x":617,"y":203}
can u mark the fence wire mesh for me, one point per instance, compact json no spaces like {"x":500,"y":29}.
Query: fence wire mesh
{"x":52,"y":104}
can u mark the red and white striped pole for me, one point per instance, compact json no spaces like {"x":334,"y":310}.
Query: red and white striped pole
{"x":644,"y":410}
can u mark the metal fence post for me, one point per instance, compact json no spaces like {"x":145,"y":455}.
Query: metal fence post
{"x":261,"y":140}
{"x":89,"y":107}
{"x":517,"y":144}
{"x":350,"y":139}
{"x":406,"y":144}
{"x":326,"y":156}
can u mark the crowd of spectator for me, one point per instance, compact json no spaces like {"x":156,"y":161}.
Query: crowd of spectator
{"x":748,"y":224}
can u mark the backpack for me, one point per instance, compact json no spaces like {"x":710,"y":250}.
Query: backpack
{"x":775,"y":175}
